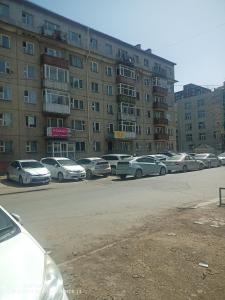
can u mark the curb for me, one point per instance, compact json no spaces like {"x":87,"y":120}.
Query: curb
{"x":21,"y":192}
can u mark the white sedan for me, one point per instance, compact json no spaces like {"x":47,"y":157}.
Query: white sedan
{"x":183,"y":163}
{"x":222,"y":158}
{"x":26,"y":270}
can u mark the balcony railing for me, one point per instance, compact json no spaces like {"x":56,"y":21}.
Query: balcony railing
{"x":127,"y":117}
{"x":55,"y":85}
{"x":126,"y":99}
{"x":122,"y":135}
{"x":54,"y":34}
{"x":55,"y":108}
{"x":161,"y":121}
{"x":160,"y":106}
{"x":54,"y":61}
{"x":58,"y":132}
{"x":161,"y":136}
{"x":125,"y":80}
{"x":159,"y":91}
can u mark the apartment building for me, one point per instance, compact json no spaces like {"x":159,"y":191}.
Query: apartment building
{"x":201,"y":119}
{"x":69,"y":90}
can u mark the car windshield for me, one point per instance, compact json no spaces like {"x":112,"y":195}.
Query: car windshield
{"x":176,"y":157}
{"x":67,"y":162}
{"x":222,"y":154}
{"x":31,"y":164}
{"x":8,"y":228}
{"x":200,"y":156}
{"x":125,"y":156}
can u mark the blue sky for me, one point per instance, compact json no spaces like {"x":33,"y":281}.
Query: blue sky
{"x":189,"y":32}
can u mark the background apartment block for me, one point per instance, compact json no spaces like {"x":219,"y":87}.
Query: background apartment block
{"x":69,"y":90}
{"x":201,"y":119}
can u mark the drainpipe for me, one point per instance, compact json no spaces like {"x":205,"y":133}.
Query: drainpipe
{"x":87,"y":86}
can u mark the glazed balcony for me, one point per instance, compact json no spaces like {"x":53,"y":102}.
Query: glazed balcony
{"x":57,"y":35}
{"x":55,"y":61}
{"x":127,"y":117}
{"x":55,"y":85}
{"x":122,"y":135}
{"x":160,"y":72}
{"x":125,"y":80}
{"x":159,"y":91}
{"x":126,"y":99}
{"x":160,"y":106}
{"x":57,"y":132}
{"x":56,"y":108}
{"x":161,"y":121}
{"x":161,"y":136}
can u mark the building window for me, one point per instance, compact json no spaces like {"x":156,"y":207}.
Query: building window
{"x":138,"y":129}
{"x":55,"y":122}
{"x":110,"y":128}
{"x":147,"y":98}
{"x":201,"y":114}
{"x":188,"y":127}
{"x":95,"y":106}
{"x":4,"y":67}
{"x":97,"y":146}
{"x":94,"y":87}
{"x":200,"y":102}
{"x":54,"y":52}
{"x":138,"y":112}
{"x":30,"y":97}
{"x":146,"y":62}
{"x":76,"y":104}
{"x":76,"y":61}
{"x":187,"y":105}
{"x":55,"y":97}
{"x":136,"y":59}
{"x":187,"y":116}
{"x":27,"y":18}
{"x":109,"y":71}
{"x":93,"y":44}
{"x":127,"y":90}
{"x":147,"y":82}
{"x":51,"y":27}
{"x":148,"y":130}
{"x":94,"y":67}
{"x":149,"y":114}
{"x":31,"y":146}
{"x":110,"y":109}
{"x":108,"y":49}
{"x":188,"y":137}
{"x":5,"y":119}
{"x":201,"y":125}
{"x":202,"y":136}
{"x":4,"y":10}
{"x":75,"y":38}
{"x":55,"y":74}
{"x":28,"y":48}
{"x":126,"y":72}
{"x":78,"y":125}
{"x":138,"y":95}
{"x":31,"y":121}
{"x":109,"y":90}
{"x":96,"y":127}
{"x":80,"y":146}
{"x":29,"y":72}
{"x":5,"y":93}
{"x":4,"y":41}
{"x":5,"y":146}
{"x":76,"y":83}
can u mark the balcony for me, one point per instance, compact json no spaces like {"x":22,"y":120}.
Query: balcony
{"x":160,"y":106}
{"x":127,"y":117}
{"x":160,"y":72}
{"x":57,"y":35}
{"x":58,"y":132}
{"x":161,"y":121}
{"x":122,"y":135}
{"x":54,"y":61}
{"x":55,"y":85}
{"x":159,"y":91}
{"x":161,"y":136}
{"x":56,"y":108}
{"x":125,"y":80}
{"x":126,"y":99}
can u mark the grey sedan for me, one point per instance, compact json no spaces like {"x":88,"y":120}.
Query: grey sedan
{"x":210,"y":159}
{"x":140,"y":166}
{"x":183,"y":163}
{"x":95,"y":166}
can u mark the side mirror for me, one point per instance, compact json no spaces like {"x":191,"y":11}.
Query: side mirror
{"x":56,"y":165}
{"x":17,"y":218}
{"x":18,"y":168}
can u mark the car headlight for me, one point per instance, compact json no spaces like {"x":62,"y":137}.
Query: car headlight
{"x":53,"y":283}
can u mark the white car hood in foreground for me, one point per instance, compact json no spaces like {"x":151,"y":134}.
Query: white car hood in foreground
{"x":37,"y":171}
{"x":74,"y":168}
{"x":21,"y":268}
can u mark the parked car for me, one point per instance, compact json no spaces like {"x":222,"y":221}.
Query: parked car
{"x":168,"y":153}
{"x":160,"y":157}
{"x":113,"y":159}
{"x":140,"y":166}
{"x":183,"y":163}
{"x":210,"y":160}
{"x":26,"y":270}
{"x":63,"y":168}
{"x":222,"y":158}
{"x":95,"y":166}
{"x":27,"y":172}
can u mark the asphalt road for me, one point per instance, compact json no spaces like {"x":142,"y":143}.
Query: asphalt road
{"x":76,"y":217}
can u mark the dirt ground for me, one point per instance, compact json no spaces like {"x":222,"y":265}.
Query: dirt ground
{"x":158,"y":261}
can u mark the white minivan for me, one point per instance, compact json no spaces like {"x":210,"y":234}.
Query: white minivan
{"x":26,"y":270}
{"x":63,"y":168}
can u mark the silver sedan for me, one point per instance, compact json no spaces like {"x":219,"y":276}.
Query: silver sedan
{"x":183,"y":163}
{"x":210,"y":159}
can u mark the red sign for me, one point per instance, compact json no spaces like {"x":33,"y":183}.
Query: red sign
{"x":61,"y":132}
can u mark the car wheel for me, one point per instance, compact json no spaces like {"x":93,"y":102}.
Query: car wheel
{"x":105,"y":175}
{"x":89,"y":174}
{"x":138,"y":173}
{"x":60,"y":176}
{"x":200,"y":167}
{"x":184,"y":169}
{"x":21,"y":180}
{"x":162,"y":171}
{"x":113,"y":170}
{"x":7,"y":176}
{"x":123,"y":176}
